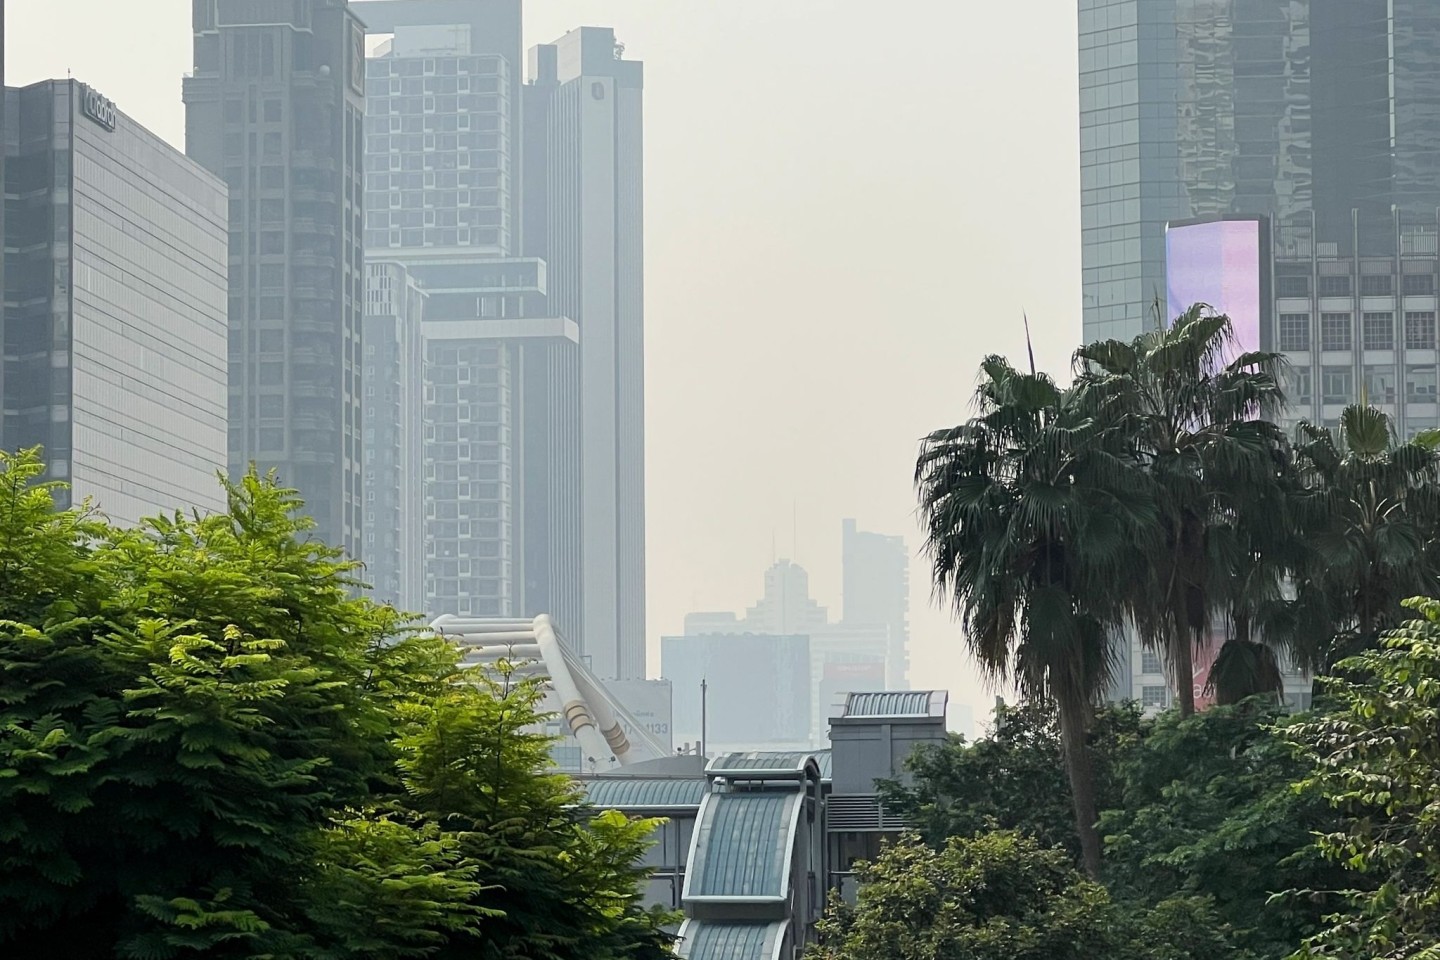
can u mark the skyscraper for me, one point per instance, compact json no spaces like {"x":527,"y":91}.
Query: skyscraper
{"x":1320,"y":115}
{"x":501,"y":394}
{"x":393,"y":378}
{"x":582,"y":208}
{"x":112,"y":338}
{"x":877,"y":592}
{"x":275,"y":106}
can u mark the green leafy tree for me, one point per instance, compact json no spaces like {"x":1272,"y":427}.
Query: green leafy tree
{"x":1198,"y":425}
{"x":1205,"y":810}
{"x":565,"y":887}
{"x":1371,"y":509}
{"x":209,"y":746}
{"x":1031,"y":515}
{"x":998,"y":896}
{"x":1376,"y":760}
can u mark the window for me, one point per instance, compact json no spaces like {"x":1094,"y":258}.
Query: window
{"x":1150,"y":662}
{"x":1338,"y":385}
{"x":1153,"y":697}
{"x":1419,"y":284}
{"x":1299,"y":388}
{"x":272,"y":406}
{"x":272,"y":341}
{"x":272,"y":177}
{"x":272,"y":438}
{"x":272,"y":144}
{"x":273,"y":111}
{"x":1338,"y":286}
{"x":1379,"y":383}
{"x":1420,"y":330}
{"x":1376,"y":286}
{"x":1294,"y":332}
{"x":1420,"y":384}
{"x":1335,"y":331}
{"x":1379,"y":331}
{"x":1292,"y":286}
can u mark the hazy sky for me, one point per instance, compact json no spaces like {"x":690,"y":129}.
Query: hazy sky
{"x":847,"y":206}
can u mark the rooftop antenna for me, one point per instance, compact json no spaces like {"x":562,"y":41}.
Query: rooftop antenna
{"x":704,"y":715}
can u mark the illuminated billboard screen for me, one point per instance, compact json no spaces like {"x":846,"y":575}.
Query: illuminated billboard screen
{"x":1218,"y":263}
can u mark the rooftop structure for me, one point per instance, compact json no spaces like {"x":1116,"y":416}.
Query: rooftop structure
{"x":755,"y":841}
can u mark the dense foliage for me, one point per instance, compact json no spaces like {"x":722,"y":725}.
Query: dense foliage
{"x":210,"y":747}
{"x":998,"y":896}
{"x":1376,"y":760}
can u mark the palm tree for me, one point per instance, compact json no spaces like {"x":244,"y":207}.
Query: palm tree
{"x":1031,"y":517}
{"x":1197,"y":425}
{"x":1372,"y":522}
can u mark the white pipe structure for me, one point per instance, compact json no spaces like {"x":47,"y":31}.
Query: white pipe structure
{"x":590,"y":711}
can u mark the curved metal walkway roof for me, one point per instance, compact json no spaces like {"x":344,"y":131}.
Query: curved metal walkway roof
{"x":743,"y":846}
{"x":706,"y":940}
{"x":909,"y":703}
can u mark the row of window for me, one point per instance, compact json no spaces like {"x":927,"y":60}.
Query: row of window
{"x":1342,"y":285}
{"x":1377,"y":331}
{"x":1337,"y":384}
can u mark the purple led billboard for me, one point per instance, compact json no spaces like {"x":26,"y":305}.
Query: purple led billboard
{"x":1217,"y":263}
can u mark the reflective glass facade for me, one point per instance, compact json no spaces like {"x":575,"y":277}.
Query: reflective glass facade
{"x":1322,"y":115}
{"x":114,"y":327}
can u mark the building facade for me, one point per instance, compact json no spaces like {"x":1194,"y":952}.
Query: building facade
{"x":275,"y":106}
{"x":393,"y":417}
{"x":583,"y":214}
{"x":501,"y":381}
{"x":1319,"y":115}
{"x":877,"y":593}
{"x":114,"y":330}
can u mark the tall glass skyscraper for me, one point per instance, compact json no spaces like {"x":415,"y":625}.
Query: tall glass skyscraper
{"x":275,"y":107}
{"x":1322,"y":115}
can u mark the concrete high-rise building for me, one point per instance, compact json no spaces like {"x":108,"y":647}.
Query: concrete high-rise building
{"x":393,"y":418}
{"x":113,"y":329}
{"x":582,"y":206}
{"x":275,"y":106}
{"x":877,"y":592}
{"x":501,"y":394}
{"x":1317,"y":114}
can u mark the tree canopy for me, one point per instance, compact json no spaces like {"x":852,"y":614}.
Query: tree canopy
{"x":212,"y":746}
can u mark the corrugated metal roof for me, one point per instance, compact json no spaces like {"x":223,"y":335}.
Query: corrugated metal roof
{"x":909,"y":703}
{"x":731,"y":941}
{"x":826,"y":760}
{"x":788,"y":761}
{"x":636,"y":793}
{"x":742,"y":845}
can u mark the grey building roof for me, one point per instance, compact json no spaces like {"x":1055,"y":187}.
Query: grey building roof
{"x":644,"y":793}
{"x":701,"y":940}
{"x":743,"y":846}
{"x":910,"y":704}
{"x":792,"y":763}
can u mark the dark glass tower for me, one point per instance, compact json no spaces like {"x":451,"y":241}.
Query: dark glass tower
{"x":1323,"y":115}
{"x":275,"y":106}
